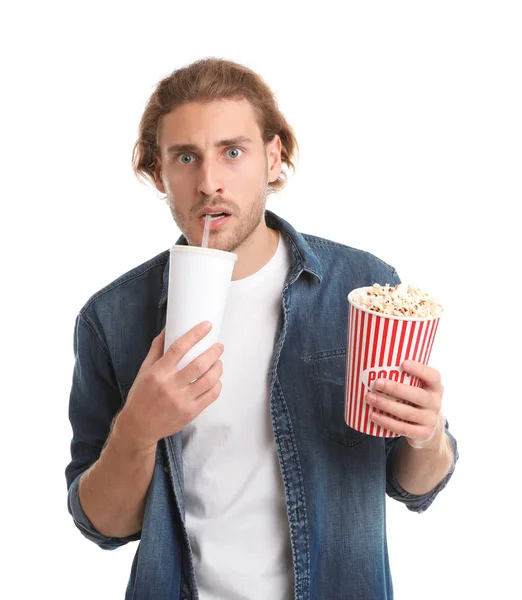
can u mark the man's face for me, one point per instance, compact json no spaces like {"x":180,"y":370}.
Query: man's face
{"x":213,"y":159}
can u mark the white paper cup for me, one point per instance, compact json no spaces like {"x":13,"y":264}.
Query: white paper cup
{"x":199,"y":282}
{"x":377,"y":345}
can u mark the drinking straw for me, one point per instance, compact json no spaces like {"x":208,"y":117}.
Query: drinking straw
{"x":204,"y":243}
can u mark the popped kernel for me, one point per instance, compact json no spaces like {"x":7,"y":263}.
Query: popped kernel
{"x":400,"y":301}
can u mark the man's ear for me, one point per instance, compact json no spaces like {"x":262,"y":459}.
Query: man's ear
{"x":273,"y":155}
{"x":158,"y":182}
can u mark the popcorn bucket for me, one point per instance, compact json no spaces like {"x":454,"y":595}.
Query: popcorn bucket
{"x":377,"y":346}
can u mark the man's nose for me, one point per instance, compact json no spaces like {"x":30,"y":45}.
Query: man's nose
{"x":209,"y":182}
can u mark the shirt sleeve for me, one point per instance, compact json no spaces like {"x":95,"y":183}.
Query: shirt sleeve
{"x":415,"y":503}
{"x":94,"y":401}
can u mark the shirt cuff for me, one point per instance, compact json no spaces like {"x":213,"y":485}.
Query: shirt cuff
{"x":415,"y":503}
{"x":86,"y":527}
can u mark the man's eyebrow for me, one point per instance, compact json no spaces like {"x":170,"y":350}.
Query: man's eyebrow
{"x":240,"y":139}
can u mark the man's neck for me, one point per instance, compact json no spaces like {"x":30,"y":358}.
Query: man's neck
{"x":252,"y":257}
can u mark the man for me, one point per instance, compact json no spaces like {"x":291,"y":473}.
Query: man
{"x":238,"y":473}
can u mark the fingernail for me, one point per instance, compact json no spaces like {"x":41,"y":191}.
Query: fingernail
{"x":379,"y":384}
{"x":371,"y":397}
{"x":207,"y":325}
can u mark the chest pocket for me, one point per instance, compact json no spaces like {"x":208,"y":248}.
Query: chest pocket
{"x":329,"y":373}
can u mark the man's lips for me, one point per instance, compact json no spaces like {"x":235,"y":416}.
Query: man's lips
{"x":215,"y":224}
{"x":213,"y":210}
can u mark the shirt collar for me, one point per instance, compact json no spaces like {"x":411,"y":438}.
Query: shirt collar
{"x":303,"y":259}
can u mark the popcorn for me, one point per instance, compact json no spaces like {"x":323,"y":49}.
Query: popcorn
{"x":398,"y":301}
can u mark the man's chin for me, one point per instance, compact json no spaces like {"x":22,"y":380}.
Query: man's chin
{"x":216,"y":241}
{"x":223,"y":245}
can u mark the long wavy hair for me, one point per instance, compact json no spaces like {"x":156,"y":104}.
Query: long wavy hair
{"x":204,"y":81}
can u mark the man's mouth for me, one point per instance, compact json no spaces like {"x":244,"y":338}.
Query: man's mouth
{"x":215,"y":216}
{"x":217,"y":220}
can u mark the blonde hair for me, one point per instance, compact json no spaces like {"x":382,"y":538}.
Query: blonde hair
{"x":204,"y":81}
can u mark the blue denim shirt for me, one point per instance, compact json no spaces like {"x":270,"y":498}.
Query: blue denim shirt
{"x":335,"y":478}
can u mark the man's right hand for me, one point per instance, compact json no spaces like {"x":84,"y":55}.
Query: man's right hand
{"x":162,"y":400}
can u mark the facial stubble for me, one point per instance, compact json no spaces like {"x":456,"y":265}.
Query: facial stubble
{"x":241,"y":226}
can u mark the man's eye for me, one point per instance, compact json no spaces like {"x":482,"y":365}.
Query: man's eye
{"x":234,"y":152}
{"x":186,"y":159}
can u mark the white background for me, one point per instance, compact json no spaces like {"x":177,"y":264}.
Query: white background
{"x":408,"y":116}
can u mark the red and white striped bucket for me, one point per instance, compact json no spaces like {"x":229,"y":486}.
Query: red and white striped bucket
{"x":377,"y":346}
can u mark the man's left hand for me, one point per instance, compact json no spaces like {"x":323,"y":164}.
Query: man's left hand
{"x":423,"y":424}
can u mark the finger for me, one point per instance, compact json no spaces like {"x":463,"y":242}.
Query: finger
{"x":206,"y":381}
{"x":410,"y":430}
{"x":155,"y":350}
{"x":413,"y":394}
{"x":182,"y":345}
{"x":431,"y":377}
{"x":208,"y":397}
{"x":398,"y":409}
{"x":200,"y":365}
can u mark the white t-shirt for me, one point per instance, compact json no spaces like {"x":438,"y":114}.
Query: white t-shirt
{"x":235,"y":507}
